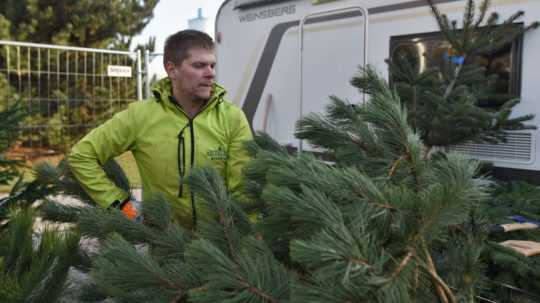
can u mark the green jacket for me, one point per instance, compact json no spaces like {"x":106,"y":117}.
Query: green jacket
{"x":165,"y":144}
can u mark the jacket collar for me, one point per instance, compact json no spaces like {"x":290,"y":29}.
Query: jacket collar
{"x":162,"y":91}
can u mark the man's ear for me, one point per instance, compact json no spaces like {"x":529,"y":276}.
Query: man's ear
{"x":170,"y":68}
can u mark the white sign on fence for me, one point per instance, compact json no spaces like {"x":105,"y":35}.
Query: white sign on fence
{"x":119,"y":71}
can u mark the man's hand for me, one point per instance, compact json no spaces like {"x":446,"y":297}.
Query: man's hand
{"x":129,"y":210}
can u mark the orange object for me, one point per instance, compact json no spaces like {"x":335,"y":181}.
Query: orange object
{"x":129,"y":210}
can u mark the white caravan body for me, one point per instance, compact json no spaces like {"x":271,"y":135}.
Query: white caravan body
{"x":266,"y":71}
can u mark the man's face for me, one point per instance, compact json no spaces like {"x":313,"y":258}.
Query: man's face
{"x":193,"y":78}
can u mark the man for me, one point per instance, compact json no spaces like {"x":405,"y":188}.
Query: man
{"x":187,"y":123}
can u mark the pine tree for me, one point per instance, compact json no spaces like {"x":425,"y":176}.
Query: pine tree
{"x":33,"y":264}
{"x":388,"y":221}
{"x":446,"y":103}
{"x":330,"y":232}
{"x":96,"y":23}
{"x":507,"y":267}
{"x":9,"y":122}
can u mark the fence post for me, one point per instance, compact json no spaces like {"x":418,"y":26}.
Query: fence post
{"x":147,"y":66}
{"x":139,"y":76}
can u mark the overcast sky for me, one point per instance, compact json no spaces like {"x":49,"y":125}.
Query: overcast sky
{"x":171,"y":16}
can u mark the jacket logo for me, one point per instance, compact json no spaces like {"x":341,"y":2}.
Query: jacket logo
{"x":218,"y":154}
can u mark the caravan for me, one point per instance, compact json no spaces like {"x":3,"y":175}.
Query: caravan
{"x":281,"y":59}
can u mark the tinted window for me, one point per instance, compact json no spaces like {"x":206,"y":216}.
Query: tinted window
{"x":502,"y":65}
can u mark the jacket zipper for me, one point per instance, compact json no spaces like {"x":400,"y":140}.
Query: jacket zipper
{"x":182,"y":158}
{"x":192,"y":135}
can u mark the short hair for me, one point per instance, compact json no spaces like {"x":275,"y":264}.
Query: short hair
{"x":178,"y":45}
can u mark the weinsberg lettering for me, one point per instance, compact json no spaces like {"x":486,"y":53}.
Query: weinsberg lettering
{"x":268,"y":13}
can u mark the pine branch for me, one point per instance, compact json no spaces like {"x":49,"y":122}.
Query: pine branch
{"x":99,"y":223}
{"x":335,"y":253}
{"x":468,"y":19}
{"x":24,"y":194}
{"x":442,"y":21}
{"x":328,"y":132}
{"x":35,"y":266}
{"x":364,"y":187}
{"x":259,"y":278}
{"x":467,"y":249}
{"x":444,"y":292}
{"x":484,"y":6}
{"x":208,"y":186}
{"x":263,"y":142}
{"x":55,"y":211}
{"x":453,"y":81}
{"x":408,"y":257}
{"x":59,"y":252}
{"x":9,"y":124}
{"x":157,"y":212}
{"x":18,"y":242}
{"x":123,"y":271}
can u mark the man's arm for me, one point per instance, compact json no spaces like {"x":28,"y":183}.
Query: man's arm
{"x":102,"y":144}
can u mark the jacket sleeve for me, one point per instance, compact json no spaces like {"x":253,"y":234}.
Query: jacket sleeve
{"x":102,"y":144}
{"x":238,"y":155}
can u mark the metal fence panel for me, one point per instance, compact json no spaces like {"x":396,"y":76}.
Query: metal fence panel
{"x":67,"y":91}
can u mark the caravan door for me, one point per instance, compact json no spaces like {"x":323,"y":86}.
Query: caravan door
{"x":326,"y":59}
{"x":260,"y":65}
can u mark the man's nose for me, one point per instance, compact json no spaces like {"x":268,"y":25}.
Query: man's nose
{"x":210,"y":72}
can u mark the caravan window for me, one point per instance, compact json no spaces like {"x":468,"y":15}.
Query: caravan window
{"x":503,"y":65}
